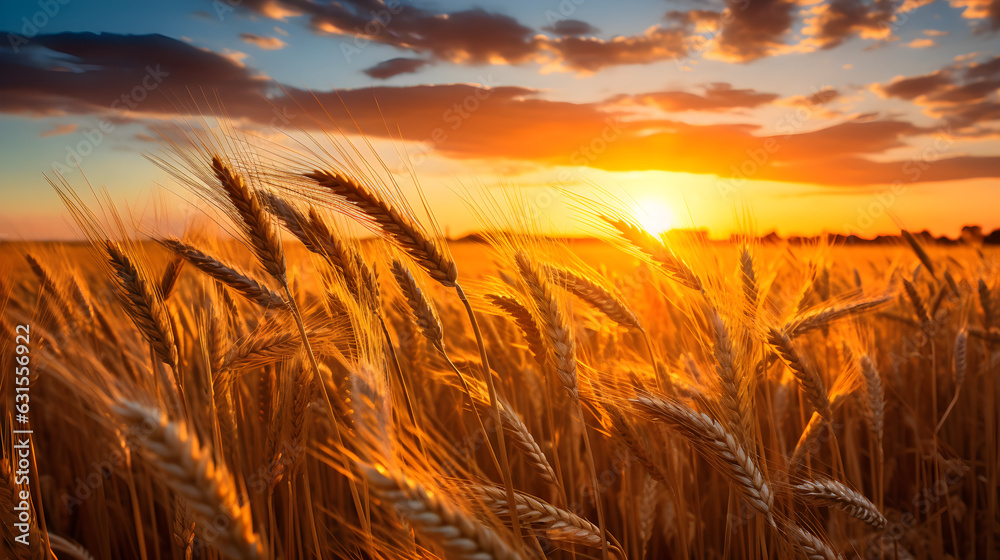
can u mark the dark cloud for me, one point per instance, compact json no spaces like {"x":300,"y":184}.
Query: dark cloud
{"x":753,"y":29}
{"x":717,"y":97}
{"x":92,"y":73}
{"x":395,"y":66}
{"x":477,"y":36}
{"x":823,"y":96}
{"x":917,"y":86}
{"x":588,"y":54}
{"x":963,"y":95}
{"x":85,"y":73}
{"x":839,"y":20}
{"x":571,"y":28}
{"x":474,"y":36}
{"x":988,"y":69}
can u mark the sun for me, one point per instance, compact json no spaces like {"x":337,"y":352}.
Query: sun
{"x":654,"y":216}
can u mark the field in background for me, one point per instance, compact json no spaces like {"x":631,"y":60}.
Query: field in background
{"x":801,"y":403}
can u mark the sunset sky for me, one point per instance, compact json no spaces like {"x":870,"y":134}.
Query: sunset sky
{"x":851,"y":115}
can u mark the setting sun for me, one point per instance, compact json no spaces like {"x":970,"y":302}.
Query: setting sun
{"x":654,"y":216}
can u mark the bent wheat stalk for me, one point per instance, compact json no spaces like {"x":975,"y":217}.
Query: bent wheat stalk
{"x":718,"y":445}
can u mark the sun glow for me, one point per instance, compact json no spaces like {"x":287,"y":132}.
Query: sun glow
{"x":654,"y":216}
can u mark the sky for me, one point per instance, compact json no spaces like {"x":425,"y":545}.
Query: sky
{"x":850,"y":116}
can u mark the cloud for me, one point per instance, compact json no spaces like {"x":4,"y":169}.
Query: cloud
{"x":964,"y":95}
{"x":59,"y":130}
{"x":717,"y":97}
{"x":107,"y":69}
{"x":474,"y":122}
{"x":571,"y":28}
{"x":832,"y":23}
{"x":588,"y":54}
{"x":988,"y":69}
{"x":477,"y":36}
{"x":980,"y":9}
{"x":266,"y":43}
{"x":473,"y":36}
{"x":753,"y":29}
{"x":920,"y":43}
{"x":395,"y":66}
{"x":917,"y":86}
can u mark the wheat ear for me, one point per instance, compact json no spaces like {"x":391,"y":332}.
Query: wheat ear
{"x":809,"y":380}
{"x":826,"y":492}
{"x":369,"y":205}
{"x":986,"y":302}
{"x":594,"y":294}
{"x":188,"y":469}
{"x":256,"y":223}
{"x":460,"y":535}
{"x":813,"y":547}
{"x":426,"y":316}
{"x":554,"y":328}
{"x":654,"y":248}
{"x":925,"y":259}
{"x":522,"y":317}
{"x":816,"y":318}
{"x":142,"y":303}
{"x":960,"y":367}
{"x":718,"y":445}
{"x":751,"y":288}
{"x":247,"y":287}
{"x":556,"y":523}
{"x":875,"y":404}
{"x":916,"y":301}
{"x":171,"y":274}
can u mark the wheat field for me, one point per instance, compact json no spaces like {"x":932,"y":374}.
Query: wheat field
{"x":339,"y":381}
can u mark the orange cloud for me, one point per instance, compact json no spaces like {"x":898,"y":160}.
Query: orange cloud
{"x":59,"y":130}
{"x":266,"y":43}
